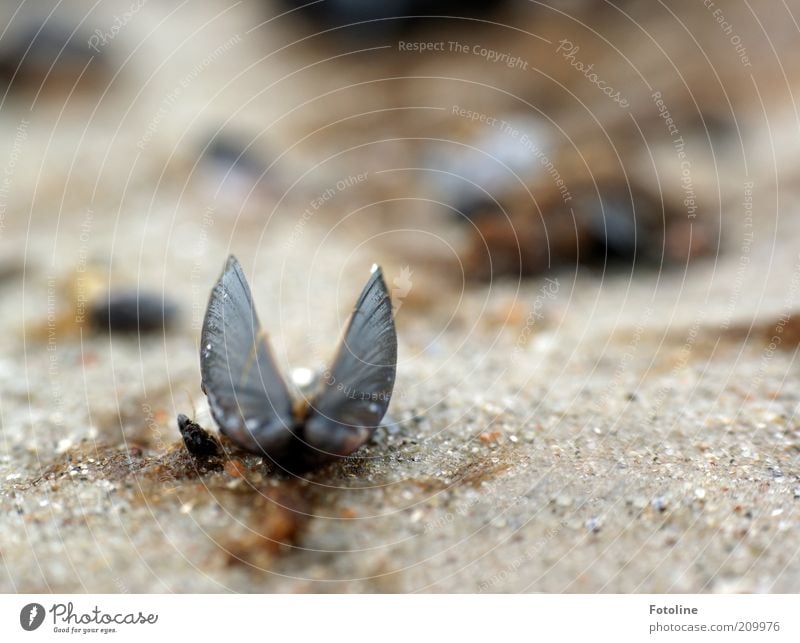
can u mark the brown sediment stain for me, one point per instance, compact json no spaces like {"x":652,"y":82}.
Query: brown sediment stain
{"x":271,"y":511}
{"x":265,"y":512}
{"x":783,"y":332}
{"x":488,"y":437}
{"x":471,"y":472}
{"x":528,"y":237}
{"x":234,"y":468}
{"x":278,"y":519}
{"x":786,"y":328}
{"x":479,"y":470}
{"x":707,"y":341}
{"x":281,"y":512}
{"x":90,"y":462}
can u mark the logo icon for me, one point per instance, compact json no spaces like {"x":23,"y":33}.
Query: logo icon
{"x":31,"y":616}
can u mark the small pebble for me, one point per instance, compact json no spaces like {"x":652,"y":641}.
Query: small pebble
{"x":132,"y":311}
{"x":198,"y":441}
{"x":231,"y":153}
{"x":659,"y":504}
{"x":234,"y":468}
{"x":488,"y":437}
{"x":64,"y":445}
{"x":46,"y":56}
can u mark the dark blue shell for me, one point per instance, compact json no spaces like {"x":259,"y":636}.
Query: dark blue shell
{"x":253,"y":405}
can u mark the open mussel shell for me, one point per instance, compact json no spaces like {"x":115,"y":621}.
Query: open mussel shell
{"x":254,"y":406}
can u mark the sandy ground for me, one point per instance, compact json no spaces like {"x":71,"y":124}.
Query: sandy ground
{"x":583,"y":431}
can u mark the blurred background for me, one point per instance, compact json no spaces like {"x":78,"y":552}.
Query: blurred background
{"x":585,"y":213}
